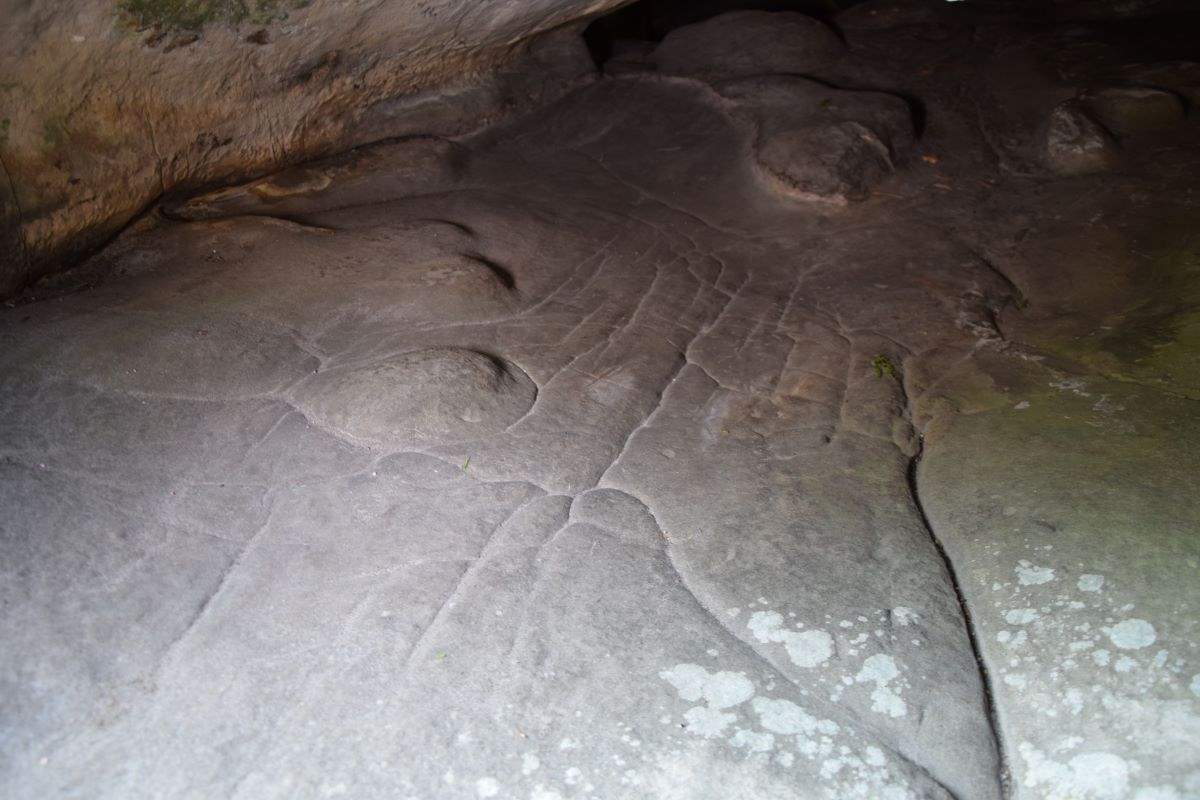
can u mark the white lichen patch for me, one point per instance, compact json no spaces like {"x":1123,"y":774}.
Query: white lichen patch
{"x":487,"y":787}
{"x":1016,"y":680}
{"x":786,"y":718}
{"x":1030,"y":575}
{"x":1131,"y":634}
{"x":753,"y":741}
{"x":708,"y":722}
{"x":1073,"y":699}
{"x":1087,"y":776}
{"x":1099,"y":691}
{"x":718,"y":691}
{"x":1021,"y":616}
{"x":1160,"y":793}
{"x":874,"y":756}
{"x":807,"y":649}
{"x":850,"y":770}
{"x":881,"y":670}
{"x":790,"y":736}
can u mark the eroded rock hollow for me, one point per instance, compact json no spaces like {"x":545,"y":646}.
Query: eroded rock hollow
{"x":554,"y":400}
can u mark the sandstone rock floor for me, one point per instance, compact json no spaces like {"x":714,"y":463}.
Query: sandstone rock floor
{"x":590,"y":456}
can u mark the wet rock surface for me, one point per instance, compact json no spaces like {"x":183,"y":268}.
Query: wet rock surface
{"x":573,"y":458}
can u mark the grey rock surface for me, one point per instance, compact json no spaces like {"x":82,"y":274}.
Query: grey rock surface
{"x":433,"y":395}
{"x":573,"y":459}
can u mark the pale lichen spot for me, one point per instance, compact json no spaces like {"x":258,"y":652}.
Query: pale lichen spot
{"x":807,"y":649}
{"x":753,"y":741}
{"x":1030,"y":575}
{"x":1087,"y":776}
{"x":708,"y":722}
{"x":1021,"y":616}
{"x":785,"y":717}
{"x":718,"y":691}
{"x":1158,"y":793}
{"x":1131,"y":634}
{"x":881,"y":670}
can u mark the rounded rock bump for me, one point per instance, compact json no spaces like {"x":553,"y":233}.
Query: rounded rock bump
{"x":419,"y":398}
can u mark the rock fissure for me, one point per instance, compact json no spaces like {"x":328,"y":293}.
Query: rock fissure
{"x":988,"y":701}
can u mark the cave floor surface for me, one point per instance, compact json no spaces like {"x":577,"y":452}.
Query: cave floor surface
{"x":572,"y":459}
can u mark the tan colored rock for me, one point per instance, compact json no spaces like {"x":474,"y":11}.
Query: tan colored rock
{"x":105,"y":106}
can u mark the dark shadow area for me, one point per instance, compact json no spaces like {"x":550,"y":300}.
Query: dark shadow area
{"x":651,"y":20}
{"x":631,"y":32}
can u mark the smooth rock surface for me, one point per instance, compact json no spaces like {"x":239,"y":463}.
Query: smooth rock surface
{"x":573,"y":459}
{"x":420,"y":397}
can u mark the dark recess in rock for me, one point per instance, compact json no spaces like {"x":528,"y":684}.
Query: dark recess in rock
{"x":651,"y":20}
